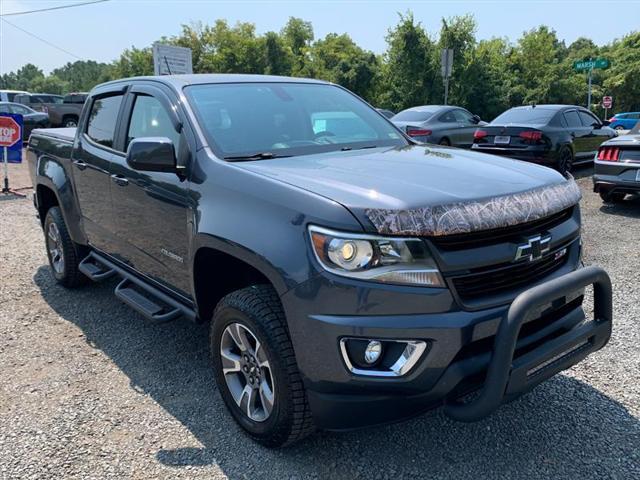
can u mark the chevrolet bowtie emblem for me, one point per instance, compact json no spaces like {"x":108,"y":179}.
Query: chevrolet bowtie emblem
{"x":535,"y":248}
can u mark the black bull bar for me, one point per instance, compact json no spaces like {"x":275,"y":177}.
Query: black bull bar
{"x":507,"y":377}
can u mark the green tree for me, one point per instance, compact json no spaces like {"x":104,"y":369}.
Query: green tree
{"x":408,"y":70}
{"x":134,"y":62}
{"x":458,"y":33}
{"x":298,"y":35}
{"x":278,"y":58}
{"x":338,"y":59}
{"x":233,"y":49}
{"x":623,"y":78}
{"x":82,"y":76}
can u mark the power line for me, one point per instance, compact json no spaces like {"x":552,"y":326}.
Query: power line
{"x":41,"y":39}
{"x":60,"y":7}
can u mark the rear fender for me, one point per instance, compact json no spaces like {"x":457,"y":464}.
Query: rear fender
{"x":51,"y":173}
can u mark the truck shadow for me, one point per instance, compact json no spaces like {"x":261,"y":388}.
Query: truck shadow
{"x":553,"y":432}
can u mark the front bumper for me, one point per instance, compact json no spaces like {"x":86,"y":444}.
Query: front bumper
{"x":503,"y":352}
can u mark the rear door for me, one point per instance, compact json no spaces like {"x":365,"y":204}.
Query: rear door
{"x":596,"y":134}
{"x":467,"y":125}
{"x":579,"y":133}
{"x":150,"y":208}
{"x":91,"y":157}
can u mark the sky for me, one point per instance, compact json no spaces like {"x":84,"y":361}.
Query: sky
{"x":102,"y":31}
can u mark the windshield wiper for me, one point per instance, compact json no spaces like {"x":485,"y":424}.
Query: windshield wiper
{"x":346,"y":149}
{"x":255,"y":156}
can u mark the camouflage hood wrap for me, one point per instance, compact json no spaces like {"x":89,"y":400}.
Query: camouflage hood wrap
{"x":465,"y":217}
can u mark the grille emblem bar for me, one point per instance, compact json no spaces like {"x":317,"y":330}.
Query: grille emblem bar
{"x":535,"y":248}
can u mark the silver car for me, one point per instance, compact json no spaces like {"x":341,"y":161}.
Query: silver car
{"x":441,"y":124}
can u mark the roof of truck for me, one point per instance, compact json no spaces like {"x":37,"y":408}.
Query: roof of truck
{"x":179,"y":81}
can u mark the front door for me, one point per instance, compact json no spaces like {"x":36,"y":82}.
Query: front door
{"x":150,"y":208}
{"x":579,"y":133}
{"x":467,"y":126}
{"x":91,"y":158}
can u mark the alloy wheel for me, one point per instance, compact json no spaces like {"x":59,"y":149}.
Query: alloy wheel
{"x":247,"y":372}
{"x":54,"y":245}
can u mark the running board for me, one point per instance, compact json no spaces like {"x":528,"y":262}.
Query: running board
{"x":94,"y":269}
{"x":146,"y":299}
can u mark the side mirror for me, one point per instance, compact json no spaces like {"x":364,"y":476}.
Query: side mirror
{"x":477,"y":119}
{"x":152,"y":154}
{"x":606,"y":123}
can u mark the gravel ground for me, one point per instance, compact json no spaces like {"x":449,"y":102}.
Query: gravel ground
{"x":89,"y":390}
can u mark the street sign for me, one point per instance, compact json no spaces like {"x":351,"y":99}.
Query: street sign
{"x":598,"y":63}
{"x":11,"y":143}
{"x":171,"y":60}
{"x":607,"y":102}
{"x":10,"y":131}
{"x":446,"y":61}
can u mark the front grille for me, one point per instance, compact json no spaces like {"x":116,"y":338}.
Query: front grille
{"x":514,"y":233}
{"x":506,"y":278}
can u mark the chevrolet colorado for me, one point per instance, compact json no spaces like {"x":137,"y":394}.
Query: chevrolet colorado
{"x":350,"y":276}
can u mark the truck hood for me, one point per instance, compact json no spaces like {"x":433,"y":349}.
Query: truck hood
{"x":407,"y":178}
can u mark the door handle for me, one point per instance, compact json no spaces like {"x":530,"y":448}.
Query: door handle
{"x":80,"y":164}
{"x":120,"y":180}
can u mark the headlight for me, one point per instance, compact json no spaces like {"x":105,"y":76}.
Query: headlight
{"x":404,"y":261}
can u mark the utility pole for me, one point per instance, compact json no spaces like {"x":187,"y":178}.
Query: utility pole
{"x":446,"y":60}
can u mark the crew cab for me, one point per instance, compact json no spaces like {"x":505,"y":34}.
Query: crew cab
{"x":349,"y":275}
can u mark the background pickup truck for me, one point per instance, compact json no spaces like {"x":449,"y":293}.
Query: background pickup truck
{"x":62,"y":111}
{"x":350,"y":276}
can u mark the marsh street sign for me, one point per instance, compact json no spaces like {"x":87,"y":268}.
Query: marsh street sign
{"x":598,"y":63}
{"x":171,"y":60}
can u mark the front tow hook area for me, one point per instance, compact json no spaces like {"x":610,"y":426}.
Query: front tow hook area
{"x":506,"y":377}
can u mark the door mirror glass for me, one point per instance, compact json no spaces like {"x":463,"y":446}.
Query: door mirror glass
{"x":476,"y":119}
{"x":606,"y":123}
{"x":152,"y":154}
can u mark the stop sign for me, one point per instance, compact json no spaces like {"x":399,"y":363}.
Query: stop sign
{"x":9,"y":132}
{"x":607,"y":102}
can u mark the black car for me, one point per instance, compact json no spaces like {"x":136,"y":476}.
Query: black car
{"x":32,"y":119}
{"x":617,"y":167}
{"x":553,"y":135}
{"x":444,"y":125}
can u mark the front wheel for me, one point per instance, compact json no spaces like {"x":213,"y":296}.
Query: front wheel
{"x":70,"y":122}
{"x":255,"y":367}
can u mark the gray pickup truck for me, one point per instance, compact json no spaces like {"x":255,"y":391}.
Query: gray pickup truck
{"x":350,"y":276}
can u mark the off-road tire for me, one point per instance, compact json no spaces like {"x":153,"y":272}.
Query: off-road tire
{"x":70,"y":276}
{"x":258,"y":307}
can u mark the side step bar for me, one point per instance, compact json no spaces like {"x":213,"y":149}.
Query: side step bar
{"x":144,"y":298}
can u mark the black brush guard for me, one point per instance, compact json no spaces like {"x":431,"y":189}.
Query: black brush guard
{"x":507,"y":377}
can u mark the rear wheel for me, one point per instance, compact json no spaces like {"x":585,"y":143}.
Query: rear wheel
{"x":63,"y":253}
{"x":614,"y":197}
{"x":445,"y":141}
{"x":255,"y":367}
{"x":565,"y":160}
{"x":70,"y":122}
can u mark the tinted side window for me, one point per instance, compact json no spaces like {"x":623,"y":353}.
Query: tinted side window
{"x":587,"y":119}
{"x":19,"y":109}
{"x":448,"y":117}
{"x":572,"y":119}
{"x":102,"y":120}
{"x":463,"y":117}
{"x":150,"y":119}
{"x":11,"y":96}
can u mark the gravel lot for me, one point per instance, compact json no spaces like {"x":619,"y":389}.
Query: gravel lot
{"x":89,"y":390}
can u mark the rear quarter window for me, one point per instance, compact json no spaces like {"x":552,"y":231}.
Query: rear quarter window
{"x":101,"y":126}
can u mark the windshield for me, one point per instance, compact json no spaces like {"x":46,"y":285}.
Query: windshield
{"x":286,"y":119}
{"x":415,"y":115}
{"x":538,"y":115}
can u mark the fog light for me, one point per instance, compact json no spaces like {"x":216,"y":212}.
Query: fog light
{"x":372,"y":352}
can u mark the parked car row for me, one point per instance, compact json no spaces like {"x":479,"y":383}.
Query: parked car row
{"x":557,"y":136}
{"x":61,"y":111}
{"x":32,"y":119}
